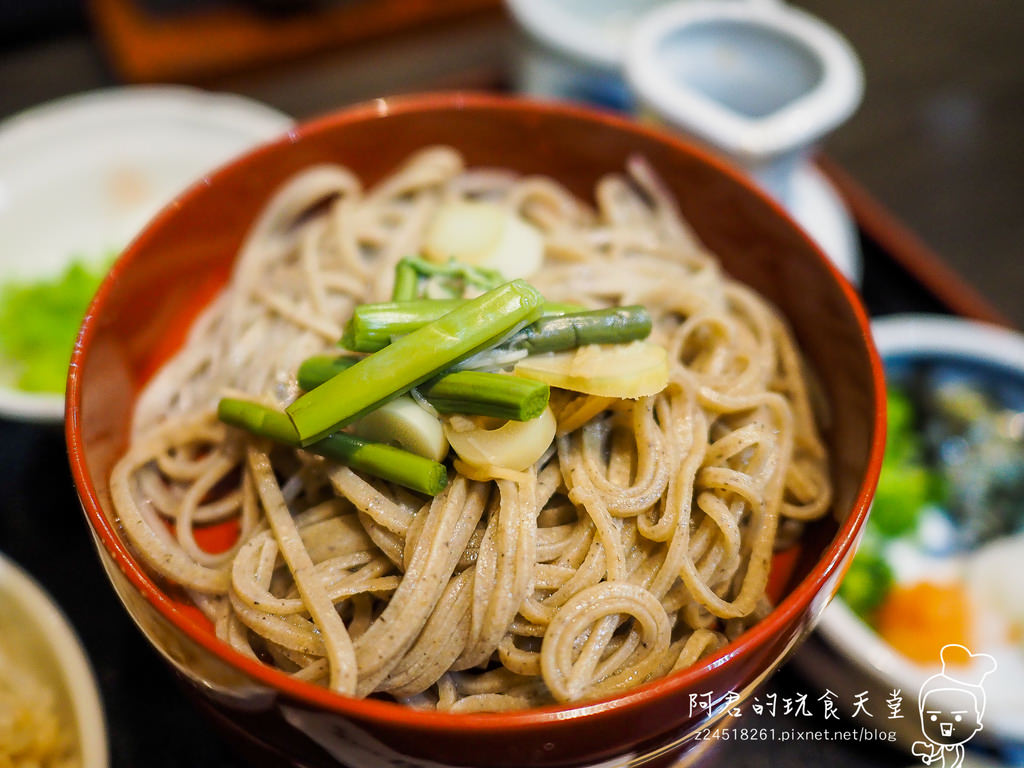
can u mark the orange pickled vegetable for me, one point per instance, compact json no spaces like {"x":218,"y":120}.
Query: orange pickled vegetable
{"x":918,"y":620}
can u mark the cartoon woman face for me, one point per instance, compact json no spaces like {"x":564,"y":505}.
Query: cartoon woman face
{"x":949,"y":716}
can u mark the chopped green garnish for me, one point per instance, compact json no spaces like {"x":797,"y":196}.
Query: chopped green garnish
{"x":617,"y":325}
{"x":902,"y":440}
{"x":407,"y":282}
{"x":383,"y":461}
{"x":415,"y":358}
{"x":903,"y":490}
{"x":39,"y":321}
{"x":466,"y":392}
{"x":906,"y":484}
{"x":900,"y":413}
{"x":866,"y":583}
{"x":459,"y":273}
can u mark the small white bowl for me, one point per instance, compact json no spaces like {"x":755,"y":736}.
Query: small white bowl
{"x":761,"y":82}
{"x":62,"y":664}
{"x":848,"y":656}
{"x":80,"y":176}
{"x":579,"y":48}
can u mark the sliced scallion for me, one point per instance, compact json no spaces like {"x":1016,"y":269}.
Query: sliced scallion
{"x":376,"y":459}
{"x":414,"y":358}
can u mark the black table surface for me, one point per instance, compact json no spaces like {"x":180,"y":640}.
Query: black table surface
{"x":150,"y":720}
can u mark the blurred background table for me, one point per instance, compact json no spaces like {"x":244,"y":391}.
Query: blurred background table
{"x":937,"y":143}
{"x":937,"y":140}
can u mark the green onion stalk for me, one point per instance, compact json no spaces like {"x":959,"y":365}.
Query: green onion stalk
{"x":469,"y":392}
{"x":373,"y":326}
{"x":414,"y":359}
{"x":479,"y":277}
{"x":617,"y":325}
{"x":407,"y":282}
{"x":376,"y":459}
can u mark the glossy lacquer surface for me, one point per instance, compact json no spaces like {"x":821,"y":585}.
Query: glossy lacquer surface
{"x":184,"y":256}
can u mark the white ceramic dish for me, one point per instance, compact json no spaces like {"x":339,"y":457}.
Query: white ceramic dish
{"x":575,"y":49}
{"x":848,"y":656}
{"x":62,"y":664}
{"x":761,"y":82}
{"x":578,"y":47}
{"x":81,"y":175}
{"x":758,"y":83}
{"x":592,"y":32}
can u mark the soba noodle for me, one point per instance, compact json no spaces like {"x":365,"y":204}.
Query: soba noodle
{"x":639,"y":543}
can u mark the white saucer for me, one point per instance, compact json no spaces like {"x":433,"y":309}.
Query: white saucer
{"x":81,"y":176}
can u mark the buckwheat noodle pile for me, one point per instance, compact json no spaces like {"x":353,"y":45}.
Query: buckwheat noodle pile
{"x":640,"y":542}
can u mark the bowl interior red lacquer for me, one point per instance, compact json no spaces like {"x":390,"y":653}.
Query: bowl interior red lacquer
{"x":143,"y":309}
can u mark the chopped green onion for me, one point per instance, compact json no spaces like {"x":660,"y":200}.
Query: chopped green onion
{"x":470,"y":392}
{"x":488,"y":394}
{"x":618,"y":325}
{"x":373,"y":326}
{"x":258,"y":419}
{"x":315,"y":370}
{"x":407,"y":282}
{"x":478,"y":277}
{"x":377,"y":459}
{"x":414,"y":358}
{"x":559,"y":308}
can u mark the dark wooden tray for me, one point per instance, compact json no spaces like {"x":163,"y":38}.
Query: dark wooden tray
{"x":190,"y":41}
{"x":901,"y":272}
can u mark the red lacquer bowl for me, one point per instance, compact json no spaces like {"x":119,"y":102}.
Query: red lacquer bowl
{"x":172,"y":269}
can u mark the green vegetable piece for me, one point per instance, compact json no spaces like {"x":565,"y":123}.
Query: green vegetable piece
{"x":902,"y":442}
{"x":470,"y":392}
{"x":479,"y":277}
{"x":414,"y":358}
{"x":559,"y":308}
{"x":407,"y":282}
{"x":315,"y":370}
{"x":906,"y":484}
{"x":373,"y":326}
{"x":257,"y":419}
{"x":489,"y":394}
{"x":900,"y":411}
{"x":39,"y":321}
{"x":383,"y":461}
{"x":866,"y":583}
{"x":617,"y":325}
{"x":903,"y":490}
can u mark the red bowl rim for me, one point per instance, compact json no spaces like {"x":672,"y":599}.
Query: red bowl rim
{"x":384,"y":712}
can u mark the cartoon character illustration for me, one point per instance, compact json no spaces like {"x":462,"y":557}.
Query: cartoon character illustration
{"x":952,"y":703}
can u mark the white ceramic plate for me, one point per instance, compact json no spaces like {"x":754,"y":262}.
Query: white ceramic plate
{"x":81,"y":176}
{"x":62,"y":664}
{"x":870,"y":663}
